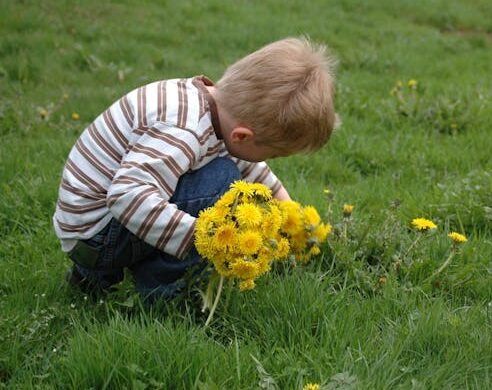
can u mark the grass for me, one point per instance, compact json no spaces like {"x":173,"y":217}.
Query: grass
{"x":333,"y":322}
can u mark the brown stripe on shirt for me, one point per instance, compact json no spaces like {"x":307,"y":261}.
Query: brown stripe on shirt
{"x":186,"y":243}
{"x":83,"y":194}
{"x":74,"y":209}
{"x":161,"y":101}
{"x":173,"y":141}
{"x":146,"y":167}
{"x":183,"y":103}
{"x":206,"y":135}
{"x":276,"y":187}
{"x":77,"y":228}
{"x":111,"y":125}
{"x":124,"y":179}
{"x":249,"y":168}
{"x":135,"y":204}
{"x":154,"y":153}
{"x":126,"y":110}
{"x":149,"y":221}
{"x":203,"y":110}
{"x":142,"y":108}
{"x":103,"y":144}
{"x":83,"y":178}
{"x":262,"y":176}
{"x":171,"y":227}
{"x":93,"y":160}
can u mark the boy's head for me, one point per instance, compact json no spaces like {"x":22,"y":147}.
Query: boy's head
{"x":283,"y":93}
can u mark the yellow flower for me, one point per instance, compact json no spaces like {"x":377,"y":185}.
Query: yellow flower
{"x":423,"y":224}
{"x":249,"y":242}
{"x":242,"y":187}
{"x":311,"y":386}
{"x":223,"y":267}
{"x":245,"y":269}
{"x":348,"y":209}
{"x":311,"y":215}
{"x":314,"y":251}
{"x":248,"y":214}
{"x":248,"y":284}
{"x":75,"y":116}
{"x":283,"y":249}
{"x":412,"y":83}
{"x":272,"y":221}
{"x":261,"y":190}
{"x":227,"y":199}
{"x":44,"y":114}
{"x":399,"y":84}
{"x":322,"y":232}
{"x":225,"y":236}
{"x":292,"y":217}
{"x":457,"y":237}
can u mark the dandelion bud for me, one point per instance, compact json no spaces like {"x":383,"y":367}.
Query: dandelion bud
{"x":347,"y":210}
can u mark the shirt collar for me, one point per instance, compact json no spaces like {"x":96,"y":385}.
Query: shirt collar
{"x":202,"y":82}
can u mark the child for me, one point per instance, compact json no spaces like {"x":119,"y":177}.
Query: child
{"x":138,"y":176}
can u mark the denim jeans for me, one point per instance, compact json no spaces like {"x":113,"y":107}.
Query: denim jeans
{"x":156,"y":274}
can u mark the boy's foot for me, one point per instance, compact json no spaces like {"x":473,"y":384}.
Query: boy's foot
{"x":76,"y":280}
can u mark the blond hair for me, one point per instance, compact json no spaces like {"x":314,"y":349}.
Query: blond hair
{"x":284,"y":93}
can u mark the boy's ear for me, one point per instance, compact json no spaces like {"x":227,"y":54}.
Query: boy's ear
{"x":240,"y":134}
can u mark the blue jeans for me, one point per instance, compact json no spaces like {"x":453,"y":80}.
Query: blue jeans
{"x":156,"y":274}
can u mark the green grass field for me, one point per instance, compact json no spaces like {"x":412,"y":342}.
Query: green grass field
{"x":369,"y":313}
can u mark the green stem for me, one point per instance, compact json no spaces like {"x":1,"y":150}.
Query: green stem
{"x":216,"y":301}
{"x":207,"y":298}
{"x":444,"y":265}
{"x":411,"y":246}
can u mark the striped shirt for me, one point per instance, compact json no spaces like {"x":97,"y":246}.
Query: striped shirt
{"x":126,"y":165}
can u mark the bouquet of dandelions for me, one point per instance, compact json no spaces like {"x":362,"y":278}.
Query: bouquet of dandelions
{"x":247,"y":230}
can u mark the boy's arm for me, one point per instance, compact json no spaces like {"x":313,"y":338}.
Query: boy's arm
{"x":139,"y":194}
{"x":282,"y":194}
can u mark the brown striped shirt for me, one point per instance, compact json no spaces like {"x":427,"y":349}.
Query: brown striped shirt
{"x":126,"y":165}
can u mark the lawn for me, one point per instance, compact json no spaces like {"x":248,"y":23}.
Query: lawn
{"x":375,"y":310}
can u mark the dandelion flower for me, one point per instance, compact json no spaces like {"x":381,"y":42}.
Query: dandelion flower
{"x":292,"y":217}
{"x":423,"y":224}
{"x":242,"y":187}
{"x":261,"y":190}
{"x":248,"y":284}
{"x":311,"y":215}
{"x":283,"y":249}
{"x":75,"y":116}
{"x":245,"y":269}
{"x":412,"y":83}
{"x":249,"y":242}
{"x":322,"y":231}
{"x":457,"y":237}
{"x":348,"y":209}
{"x":311,"y":386}
{"x":248,"y":214}
{"x":225,"y":236}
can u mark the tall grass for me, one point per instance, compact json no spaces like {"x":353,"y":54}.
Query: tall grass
{"x":362,"y":315}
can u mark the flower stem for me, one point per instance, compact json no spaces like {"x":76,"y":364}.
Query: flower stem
{"x":411,"y":246}
{"x":444,"y":265}
{"x":216,"y":301}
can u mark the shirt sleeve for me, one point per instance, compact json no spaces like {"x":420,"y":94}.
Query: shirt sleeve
{"x":139,"y":194}
{"x":258,"y":172}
